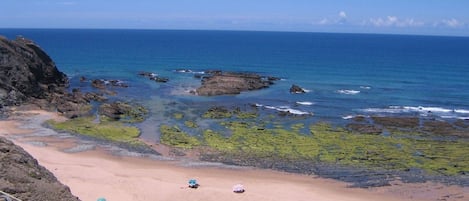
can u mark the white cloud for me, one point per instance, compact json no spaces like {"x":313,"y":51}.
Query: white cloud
{"x":342,"y":14}
{"x":340,"y":19}
{"x":393,"y":21}
{"x":453,"y":23}
{"x":324,"y":21}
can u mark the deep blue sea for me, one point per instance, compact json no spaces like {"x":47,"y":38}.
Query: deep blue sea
{"x":345,"y":74}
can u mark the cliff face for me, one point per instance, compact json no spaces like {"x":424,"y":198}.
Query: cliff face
{"x":22,"y":177}
{"x":27,"y":73}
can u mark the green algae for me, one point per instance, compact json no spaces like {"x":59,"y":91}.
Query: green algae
{"x":246,"y":115}
{"x":135,"y":114}
{"x":224,"y":113}
{"x":174,"y":136}
{"x":108,"y":130}
{"x":217,"y":113}
{"x":191,"y":124}
{"x":124,"y":112}
{"x":178,"y":116}
{"x":339,"y":146}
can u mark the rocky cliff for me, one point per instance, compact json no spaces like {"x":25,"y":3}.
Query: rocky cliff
{"x":27,"y":73}
{"x":22,"y":176}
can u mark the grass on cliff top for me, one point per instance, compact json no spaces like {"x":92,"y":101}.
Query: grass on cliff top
{"x":108,"y":130}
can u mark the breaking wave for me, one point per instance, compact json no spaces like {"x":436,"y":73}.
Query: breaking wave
{"x":188,"y":71}
{"x":422,"y":111}
{"x":348,"y":91}
{"x":284,"y":109}
{"x":304,"y":103}
{"x":365,"y":87}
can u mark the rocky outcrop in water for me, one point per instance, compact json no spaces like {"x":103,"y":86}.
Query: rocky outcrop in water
{"x":22,"y":176}
{"x":223,"y":83}
{"x":153,"y":76}
{"x":432,"y":127}
{"x":295,"y":89}
{"x":123,"y":111}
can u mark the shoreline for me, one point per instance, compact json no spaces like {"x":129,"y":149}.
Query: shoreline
{"x":93,"y":173}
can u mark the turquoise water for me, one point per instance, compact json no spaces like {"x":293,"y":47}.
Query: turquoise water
{"x":345,"y":74}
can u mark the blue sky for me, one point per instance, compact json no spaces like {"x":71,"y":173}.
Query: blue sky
{"x":429,"y":17}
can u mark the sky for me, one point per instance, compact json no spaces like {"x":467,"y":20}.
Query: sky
{"x":423,"y":17}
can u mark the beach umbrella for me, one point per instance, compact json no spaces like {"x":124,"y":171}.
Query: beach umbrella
{"x":238,"y":188}
{"x":193,"y":183}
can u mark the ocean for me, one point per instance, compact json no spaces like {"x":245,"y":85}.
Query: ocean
{"x":344,"y":74}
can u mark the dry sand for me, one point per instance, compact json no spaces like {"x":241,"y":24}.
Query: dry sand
{"x":95,"y":173}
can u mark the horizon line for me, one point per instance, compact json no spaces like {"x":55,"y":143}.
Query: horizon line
{"x":240,"y":30}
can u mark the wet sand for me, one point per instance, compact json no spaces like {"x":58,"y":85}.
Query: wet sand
{"x":95,"y":172}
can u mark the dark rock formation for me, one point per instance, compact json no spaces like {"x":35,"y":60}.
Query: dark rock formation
{"x":419,"y":125}
{"x":397,"y":122}
{"x":365,"y":128}
{"x":153,"y":76}
{"x":22,"y":176}
{"x":123,"y":111}
{"x":444,"y":128}
{"x":221,"y":83}
{"x":82,"y":79}
{"x":102,"y":84}
{"x":98,"y":84}
{"x":27,"y":73}
{"x":295,"y":89}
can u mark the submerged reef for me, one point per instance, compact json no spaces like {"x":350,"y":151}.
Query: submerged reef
{"x":104,"y":129}
{"x":366,"y":157}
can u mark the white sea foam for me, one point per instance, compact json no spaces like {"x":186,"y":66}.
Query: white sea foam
{"x":423,"y":111}
{"x":365,"y":87}
{"x":189,"y":71}
{"x":462,"y":111}
{"x":348,"y":91}
{"x":284,"y":109}
{"x":304,"y":103}
{"x":348,"y":117}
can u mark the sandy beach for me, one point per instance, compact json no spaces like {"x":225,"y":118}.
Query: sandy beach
{"x":95,"y":173}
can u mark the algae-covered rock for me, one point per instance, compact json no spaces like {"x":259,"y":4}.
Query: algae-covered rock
{"x":191,"y":124}
{"x":173,"y":136}
{"x":123,"y":111}
{"x":217,"y":113}
{"x":328,"y":145}
{"x":108,"y":130}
